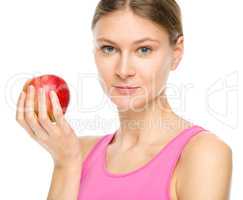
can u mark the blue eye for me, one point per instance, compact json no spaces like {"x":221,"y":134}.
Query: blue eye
{"x":109,"y":48}
{"x":144,"y":50}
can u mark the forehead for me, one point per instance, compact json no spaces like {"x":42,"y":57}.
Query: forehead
{"x":125,"y":26}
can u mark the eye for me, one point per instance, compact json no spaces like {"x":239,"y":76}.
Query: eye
{"x":145,"y":49}
{"x":108,"y":48}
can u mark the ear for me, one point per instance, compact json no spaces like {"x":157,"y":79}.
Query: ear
{"x":178,"y":50}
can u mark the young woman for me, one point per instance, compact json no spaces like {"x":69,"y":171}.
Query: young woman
{"x":155,"y":154}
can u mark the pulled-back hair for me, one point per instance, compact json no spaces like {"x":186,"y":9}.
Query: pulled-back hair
{"x":165,"y":13}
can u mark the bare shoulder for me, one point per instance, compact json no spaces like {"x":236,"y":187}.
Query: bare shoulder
{"x":87,"y":142}
{"x":206,"y":143}
{"x":205,"y":168}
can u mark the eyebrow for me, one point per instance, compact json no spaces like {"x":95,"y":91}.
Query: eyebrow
{"x":135,"y":42}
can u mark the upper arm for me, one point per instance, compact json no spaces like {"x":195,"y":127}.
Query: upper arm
{"x":205,"y":172}
{"x":87,"y":143}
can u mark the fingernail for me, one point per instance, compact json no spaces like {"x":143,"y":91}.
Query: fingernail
{"x":41,"y":90}
{"x":52,"y":93}
{"x":31,"y":88}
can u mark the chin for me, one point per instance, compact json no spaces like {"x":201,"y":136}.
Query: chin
{"x":134,"y":103}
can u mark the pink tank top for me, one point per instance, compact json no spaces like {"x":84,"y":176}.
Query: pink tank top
{"x":151,"y":181}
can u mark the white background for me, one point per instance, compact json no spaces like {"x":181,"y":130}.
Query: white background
{"x":50,"y":36}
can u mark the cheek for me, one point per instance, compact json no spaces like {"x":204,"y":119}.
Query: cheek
{"x":104,"y":65}
{"x":154,"y":74}
{"x":105,"y":78}
{"x":154,"y":78}
{"x":105,"y":73}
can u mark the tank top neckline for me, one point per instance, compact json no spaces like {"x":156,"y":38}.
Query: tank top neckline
{"x":117,"y":175}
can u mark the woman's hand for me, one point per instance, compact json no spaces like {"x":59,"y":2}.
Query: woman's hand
{"x":57,"y":138}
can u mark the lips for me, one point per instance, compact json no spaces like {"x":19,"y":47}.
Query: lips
{"x":127,"y":90}
{"x":127,"y":87}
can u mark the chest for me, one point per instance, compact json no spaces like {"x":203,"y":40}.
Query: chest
{"x":119,"y":163}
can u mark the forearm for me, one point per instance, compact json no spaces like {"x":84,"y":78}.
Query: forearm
{"x":65,"y":183}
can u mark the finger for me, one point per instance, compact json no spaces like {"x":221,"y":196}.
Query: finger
{"x":20,"y":114}
{"x":20,"y":118}
{"x":42,"y":112}
{"x":20,"y":106}
{"x":58,"y":112}
{"x":30,"y":116}
{"x":56,"y":106}
{"x":25,"y":87}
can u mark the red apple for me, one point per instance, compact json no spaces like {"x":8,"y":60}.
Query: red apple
{"x":50,"y":82}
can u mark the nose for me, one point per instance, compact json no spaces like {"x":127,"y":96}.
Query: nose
{"x":124,"y":67}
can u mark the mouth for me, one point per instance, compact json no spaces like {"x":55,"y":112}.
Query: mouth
{"x":126,"y":89}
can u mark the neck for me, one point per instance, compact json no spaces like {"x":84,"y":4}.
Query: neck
{"x":150,"y":126}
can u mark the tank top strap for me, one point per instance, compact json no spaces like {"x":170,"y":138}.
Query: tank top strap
{"x":95,"y":152}
{"x":171,"y":154}
{"x":177,"y":144}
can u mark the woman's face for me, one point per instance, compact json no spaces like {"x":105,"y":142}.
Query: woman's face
{"x":130,"y":50}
